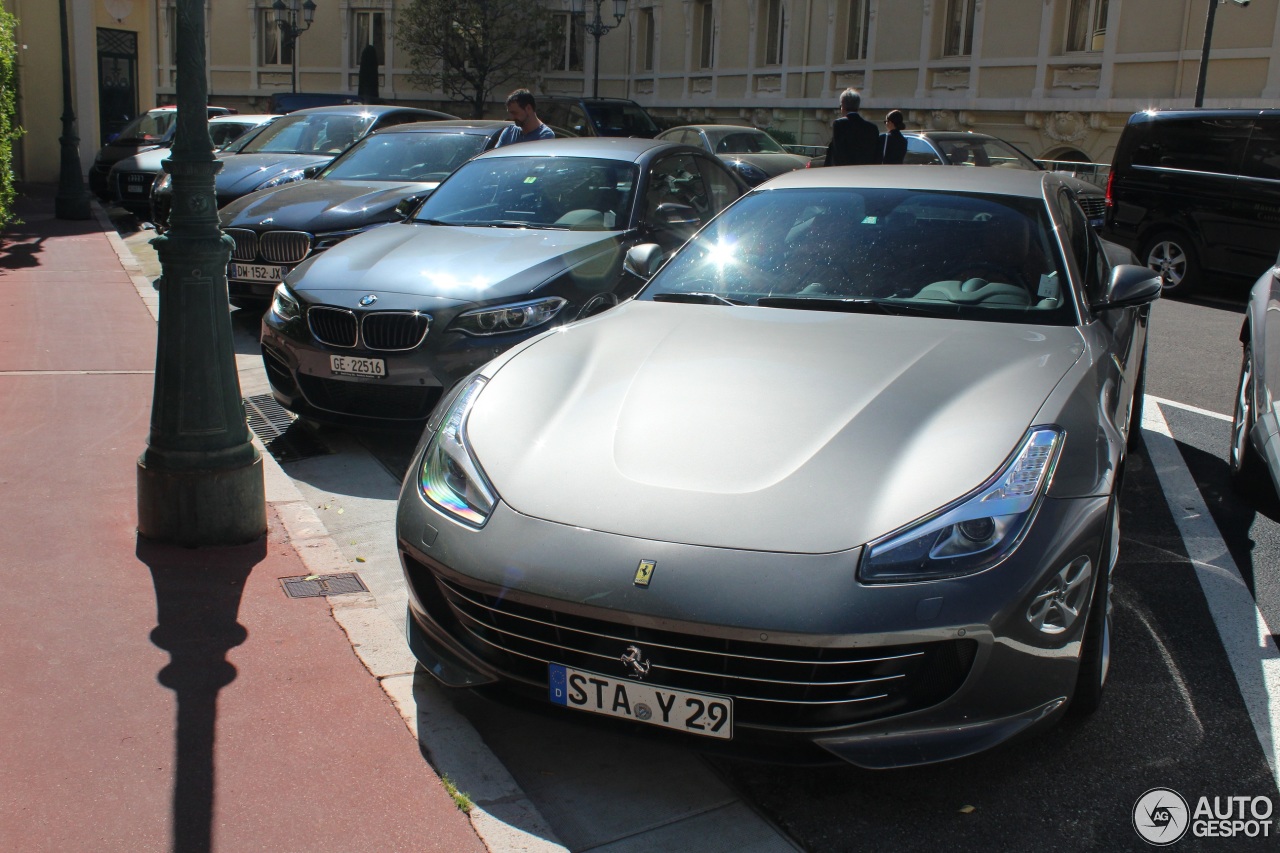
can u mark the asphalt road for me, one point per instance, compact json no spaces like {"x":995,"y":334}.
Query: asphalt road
{"x":1175,"y":714}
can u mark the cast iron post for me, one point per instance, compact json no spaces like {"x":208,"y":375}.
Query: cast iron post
{"x":1204,"y":53}
{"x":597,"y":28}
{"x":200,"y":478}
{"x":72,"y":200}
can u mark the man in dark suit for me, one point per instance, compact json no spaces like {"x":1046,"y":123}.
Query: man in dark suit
{"x":854,"y":140}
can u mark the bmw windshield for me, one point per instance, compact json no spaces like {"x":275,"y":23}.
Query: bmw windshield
{"x":579,"y":193}
{"x":877,"y":250}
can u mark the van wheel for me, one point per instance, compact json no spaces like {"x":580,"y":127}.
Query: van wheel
{"x":1173,"y":256}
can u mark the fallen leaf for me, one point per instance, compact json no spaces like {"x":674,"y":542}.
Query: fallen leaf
{"x":341,"y":510}
{"x":311,"y":577}
{"x":359,"y":559}
{"x":966,"y":810}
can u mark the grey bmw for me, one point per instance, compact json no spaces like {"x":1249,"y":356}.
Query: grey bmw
{"x":841,"y":481}
{"x":517,"y":240}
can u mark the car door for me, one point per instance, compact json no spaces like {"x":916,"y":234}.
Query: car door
{"x":1256,"y":208}
{"x":921,"y":153}
{"x":677,"y":200}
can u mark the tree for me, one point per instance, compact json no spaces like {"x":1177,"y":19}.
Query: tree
{"x":468,"y":49}
{"x":9,"y":130}
{"x":369,"y":74}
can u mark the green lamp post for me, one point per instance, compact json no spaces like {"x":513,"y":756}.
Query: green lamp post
{"x":200,"y":477}
{"x":72,"y":200}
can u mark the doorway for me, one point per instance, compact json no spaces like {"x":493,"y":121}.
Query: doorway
{"x":117,"y":81}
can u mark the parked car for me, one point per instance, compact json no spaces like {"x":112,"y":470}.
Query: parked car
{"x":819,"y":489}
{"x":753,"y":154}
{"x":598,"y":116}
{"x":1195,"y":192}
{"x":294,"y":147}
{"x":374,"y":182}
{"x":1255,"y":425}
{"x":153,"y":129}
{"x":520,"y":239}
{"x":288,"y":102}
{"x":130,"y":179}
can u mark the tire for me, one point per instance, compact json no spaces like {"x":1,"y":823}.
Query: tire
{"x":1172,"y":255}
{"x":1095,"y":652}
{"x":1248,"y":474}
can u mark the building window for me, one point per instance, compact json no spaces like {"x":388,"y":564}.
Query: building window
{"x":647,"y":39}
{"x":275,"y":50}
{"x":1087,"y":26}
{"x":859,"y":23}
{"x":171,"y":30}
{"x":706,"y":34}
{"x":775,"y":31}
{"x":958,"y":38}
{"x":367,"y":27}
{"x":567,"y":41}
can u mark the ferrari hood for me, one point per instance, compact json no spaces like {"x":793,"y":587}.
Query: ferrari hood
{"x":467,"y":263}
{"x":243,"y":173}
{"x":321,"y":206}
{"x":759,"y":428}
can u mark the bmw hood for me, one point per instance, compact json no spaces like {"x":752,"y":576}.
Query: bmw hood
{"x":759,"y":428}
{"x":465,"y":263}
{"x":321,"y":206}
{"x":243,"y":173}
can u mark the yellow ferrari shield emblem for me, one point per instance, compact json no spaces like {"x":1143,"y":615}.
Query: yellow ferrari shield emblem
{"x":644,"y":572}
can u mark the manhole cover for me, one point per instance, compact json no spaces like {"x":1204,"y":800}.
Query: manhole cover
{"x":280,"y":431}
{"x":311,"y":586}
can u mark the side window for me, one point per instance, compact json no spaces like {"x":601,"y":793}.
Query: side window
{"x":920,"y":153}
{"x":724,"y":191}
{"x":1262,"y":157}
{"x":577,"y":121}
{"x":676,"y":180}
{"x":554,"y":113}
{"x":1082,"y":244}
{"x":1198,"y":145}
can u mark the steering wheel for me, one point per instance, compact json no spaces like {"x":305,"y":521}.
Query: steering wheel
{"x":989,"y":271}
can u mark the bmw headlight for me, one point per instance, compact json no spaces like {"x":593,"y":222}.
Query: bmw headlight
{"x":289,"y":177}
{"x":450,"y":479}
{"x":284,"y":304}
{"x":751,"y":173}
{"x":509,"y":318}
{"x":977,"y":531}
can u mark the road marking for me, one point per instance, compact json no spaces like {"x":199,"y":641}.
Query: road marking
{"x":1248,"y":641}
{"x":1186,"y":407}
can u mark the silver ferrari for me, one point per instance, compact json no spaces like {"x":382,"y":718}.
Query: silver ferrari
{"x":1255,"y":427}
{"x":841,"y":480}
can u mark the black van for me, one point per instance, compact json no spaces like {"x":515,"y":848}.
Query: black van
{"x":1197,"y":191}
{"x":597,"y":116}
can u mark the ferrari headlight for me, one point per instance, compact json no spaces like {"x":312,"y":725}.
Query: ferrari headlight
{"x":284,"y":304}
{"x":509,"y":318}
{"x":289,"y":177}
{"x":450,"y":479}
{"x":977,"y":531}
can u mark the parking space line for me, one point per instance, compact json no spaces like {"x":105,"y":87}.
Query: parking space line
{"x":1187,"y":407}
{"x":1249,"y":644}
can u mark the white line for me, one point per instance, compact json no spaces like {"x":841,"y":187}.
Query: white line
{"x":1186,"y":407}
{"x":1248,"y":642}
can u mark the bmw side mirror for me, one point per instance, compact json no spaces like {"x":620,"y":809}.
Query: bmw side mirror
{"x":643,"y":260}
{"x":312,"y":171}
{"x":1131,"y":285}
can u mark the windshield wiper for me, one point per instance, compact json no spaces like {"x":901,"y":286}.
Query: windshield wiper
{"x":697,"y":297}
{"x":436,"y":222}
{"x":506,"y":223}
{"x":849,"y":306}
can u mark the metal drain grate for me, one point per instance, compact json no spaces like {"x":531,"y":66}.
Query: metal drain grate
{"x":316,"y":585}
{"x":279,"y":430}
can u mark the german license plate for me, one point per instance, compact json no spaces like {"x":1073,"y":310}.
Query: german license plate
{"x":683,"y":710}
{"x":368,"y":368}
{"x":255,"y":272}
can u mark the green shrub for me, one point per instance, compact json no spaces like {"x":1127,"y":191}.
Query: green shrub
{"x":9,"y":130}
{"x":780,"y":136}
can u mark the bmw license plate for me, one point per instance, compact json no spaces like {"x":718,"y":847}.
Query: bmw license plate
{"x":683,"y":710}
{"x":255,"y":272}
{"x":365,"y":368}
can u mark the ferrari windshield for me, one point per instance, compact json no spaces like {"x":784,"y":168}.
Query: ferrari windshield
{"x":743,"y":141}
{"x":580,"y":193}
{"x":979,"y":256}
{"x":406,"y":157}
{"x":314,"y":133}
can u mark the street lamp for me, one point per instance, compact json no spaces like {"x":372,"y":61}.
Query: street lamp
{"x":598,"y":28}
{"x":1204,"y":51}
{"x":287,"y":21}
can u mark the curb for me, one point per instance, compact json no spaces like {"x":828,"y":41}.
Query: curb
{"x":502,"y":815}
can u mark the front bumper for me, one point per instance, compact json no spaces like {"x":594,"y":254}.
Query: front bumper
{"x":877,"y":675}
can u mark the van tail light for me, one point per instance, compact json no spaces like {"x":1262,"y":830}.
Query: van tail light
{"x":1111,"y":177}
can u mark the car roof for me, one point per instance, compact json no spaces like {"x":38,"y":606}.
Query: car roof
{"x":604,"y":147}
{"x":951,"y":134}
{"x":577,"y":99}
{"x":1013,"y":182}
{"x":733,"y":127}
{"x":366,"y":109}
{"x":250,"y":119}
{"x":478,"y":125}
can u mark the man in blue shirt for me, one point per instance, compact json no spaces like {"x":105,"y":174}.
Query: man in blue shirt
{"x":528,"y":127}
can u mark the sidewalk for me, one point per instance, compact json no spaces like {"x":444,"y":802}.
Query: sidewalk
{"x":159,"y":698}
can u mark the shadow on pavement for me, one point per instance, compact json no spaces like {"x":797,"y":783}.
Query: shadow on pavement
{"x":198,"y":594}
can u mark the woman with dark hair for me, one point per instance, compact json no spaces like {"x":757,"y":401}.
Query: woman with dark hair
{"x":893,"y":145}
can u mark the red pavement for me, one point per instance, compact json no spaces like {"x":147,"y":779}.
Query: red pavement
{"x":159,"y":698}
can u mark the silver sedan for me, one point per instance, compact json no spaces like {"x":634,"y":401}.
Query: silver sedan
{"x":1255,"y":428}
{"x":843,"y":480}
